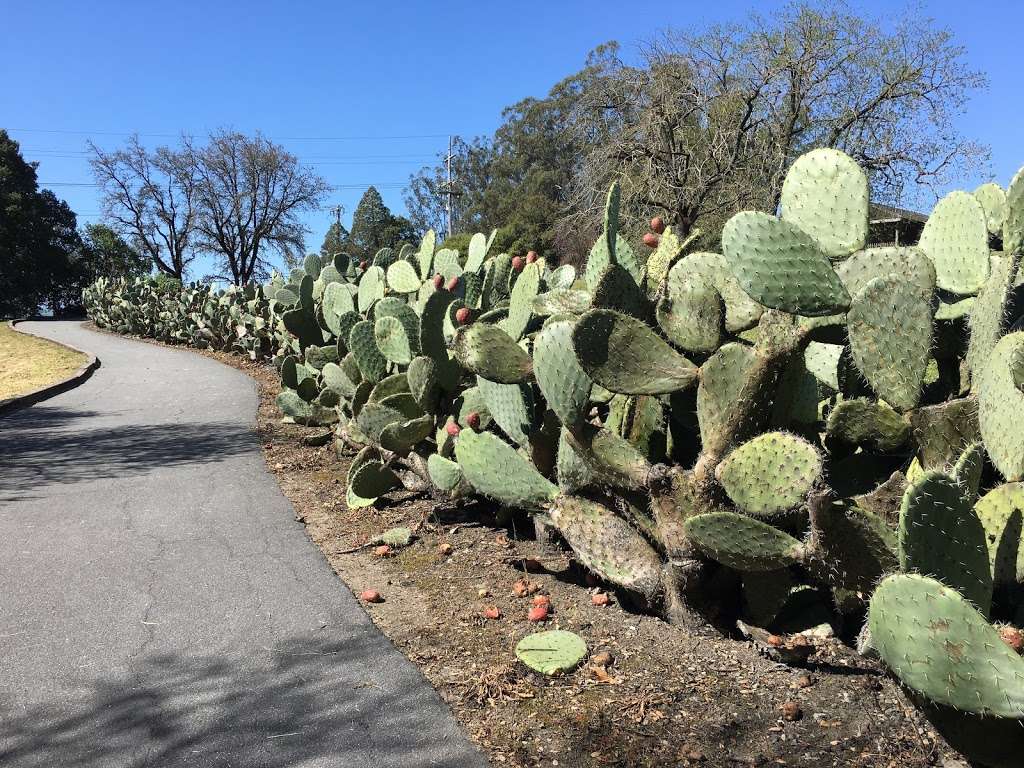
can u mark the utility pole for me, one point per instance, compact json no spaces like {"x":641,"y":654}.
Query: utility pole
{"x":450,"y":192}
{"x":448,"y":196}
{"x":337,"y":210}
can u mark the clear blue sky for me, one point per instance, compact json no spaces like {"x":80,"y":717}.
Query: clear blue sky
{"x":367,"y":72}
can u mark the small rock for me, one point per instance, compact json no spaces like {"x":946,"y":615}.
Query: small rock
{"x":483,"y":592}
{"x":791,"y":711}
{"x":602,"y":659}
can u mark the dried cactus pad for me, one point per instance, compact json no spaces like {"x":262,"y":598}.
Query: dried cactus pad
{"x":781,"y":266}
{"x":771,"y":473}
{"x":554,"y":652}
{"x":939,"y":645}
{"x":955,"y":238}
{"x":826,"y":194}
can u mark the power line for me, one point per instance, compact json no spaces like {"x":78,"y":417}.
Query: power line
{"x":275,"y":138}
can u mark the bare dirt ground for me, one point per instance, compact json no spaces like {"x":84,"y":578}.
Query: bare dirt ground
{"x":668,"y":697}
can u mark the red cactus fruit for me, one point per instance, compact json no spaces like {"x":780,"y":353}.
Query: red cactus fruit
{"x":531,"y":257}
{"x":438,"y":281}
{"x":453,"y":284}
{"x":658,"y":224}
{"x":538,"y":613}
{"x":599,"y":598}
{"x":452,"y":429}
{"x":651,"y":240}
{"x":463,"y":315}
{"x":492,"y":612}
{"x":541,"y":600}
{"x":518,"y":263}
{"x":371,"y":596}
{"x":363,"y":264}
{"x":473,"y":421}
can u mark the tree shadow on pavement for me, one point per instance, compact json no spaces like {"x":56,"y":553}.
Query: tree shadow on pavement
{"x":55,"y":445}
{"x":307,"y":703}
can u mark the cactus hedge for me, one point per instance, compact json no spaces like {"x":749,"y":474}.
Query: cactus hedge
{"x":800,"y":418}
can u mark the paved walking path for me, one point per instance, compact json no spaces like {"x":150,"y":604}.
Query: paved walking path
{"x":159,"y":606}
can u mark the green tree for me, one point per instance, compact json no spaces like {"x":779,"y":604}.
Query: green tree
{"x":375,"y":227}
{"x":110,"y":255}
{"x":336,"y":240}
{"x":41,"y":254}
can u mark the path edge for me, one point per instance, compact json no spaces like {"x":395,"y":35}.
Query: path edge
{"x":44,"y":393}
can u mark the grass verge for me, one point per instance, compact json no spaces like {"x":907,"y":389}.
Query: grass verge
{"x":28,"y":362}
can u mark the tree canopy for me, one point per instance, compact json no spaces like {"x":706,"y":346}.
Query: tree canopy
{"x":41,"y":256}
{"x":705,"y":122}
{"x":374,"y":226}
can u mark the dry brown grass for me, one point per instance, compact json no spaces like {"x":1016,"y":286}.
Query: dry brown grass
{"x":28,"y":362}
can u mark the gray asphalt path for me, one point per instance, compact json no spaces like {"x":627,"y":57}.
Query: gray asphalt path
{"x":159,"y":606}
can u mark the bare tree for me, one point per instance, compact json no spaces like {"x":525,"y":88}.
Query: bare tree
{"x":149,"y":198}
{"x":710,"y":121}
{"x":250,"y":193}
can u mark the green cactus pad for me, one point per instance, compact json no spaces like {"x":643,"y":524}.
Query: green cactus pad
{"x":425,"y":255}
{"x":489,"y":352}
{"x":617,"y":289}
{"x":867,"y":423}
{"x":555,"y":652}
{"x":613,"y":460}
{"x":968,"y":468}
{"x":572,"y":471}
{"x":825,"y":194}
{"x":989,"y":314}
{"x":562,"y":301}
{"x":721,"y":382}
{"x":392,"y":340}
{"x":822,"y":360}
{"x":955,"y":238}
{"x":854,"y":548}
{"x":771,"y":473}
{"x":511,"y":407}
{"x":1000,"y":405}
{"x":372,"y":288}
{"x":743,"y":543}
{"x":607,"y":545}
{"x":373,"y":417}
{"x":402,"y":278}
{"x":765,"y":593}
{"x":993,"y":202}
{"x":939,"y":645}
{"x":564,"y":383}
{"x":517,"y":484}
{"x":624,"y":355}
{"x":293,"y":406}
{"x":477,"y":252}
{"x":403,"y":436}
{"x":444,"y":473}
{"x":781,"y":266}
{"x":337,"y":301}
{"x":692,"y":314}
{"x":302,"y":324}
{"x":372,"y":479}
{"x":741,"y":311}
{"x":338,"y":381}
{"x":1001,"y":512}
{"x":942,"y":431}
{"x":423,"y":382}
{"x":362,"y":342}
{"x":520,"y":308}
{"x":908,"y":263}
{"x":940,"y":536}
{"x":1013,"y":225}
{"x":669,"y":249}
{"x":890,"y":329}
